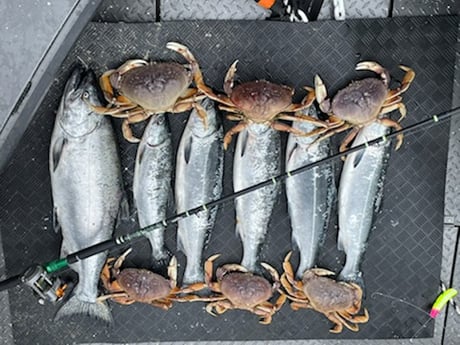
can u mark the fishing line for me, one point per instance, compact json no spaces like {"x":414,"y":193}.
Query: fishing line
{"x":63,"y":263}
{"x":397,"y":299}
{"x":400,"y":300}
{"x":446,"y":297}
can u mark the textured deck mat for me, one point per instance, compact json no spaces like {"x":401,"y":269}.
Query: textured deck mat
{"x":404,"y":254}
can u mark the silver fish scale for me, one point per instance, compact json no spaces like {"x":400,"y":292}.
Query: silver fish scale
{"x":86,"y":186}
{"x":257,"y":158}
{"x":199,"y":174}
{"x":309,"y":194}
{"x":360,"y":184}
{"x":152,"y":181}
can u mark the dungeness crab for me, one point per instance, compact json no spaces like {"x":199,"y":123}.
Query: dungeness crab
{"x":339,"y":301}
{"x":130,"y":285}
{"x":259,"y":101}
{"x":362,"y":102}
{"x":139,"y":89}
{"x":239,"y":289}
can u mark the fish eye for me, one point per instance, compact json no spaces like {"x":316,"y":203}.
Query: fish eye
{"x":85,"y":95}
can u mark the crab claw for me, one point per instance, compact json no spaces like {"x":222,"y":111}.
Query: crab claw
{"x":374,"y":67}
{"x":322,"y":272}
{"x":321,"y":95}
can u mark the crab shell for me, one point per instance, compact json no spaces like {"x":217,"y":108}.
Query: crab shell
{"x":361,"y":101}
{"x":245,"y":290}
{"x":143,"y":285}
{"x":155,"y":86}
{"x":326,"y":295}
{"x":261,"y":100}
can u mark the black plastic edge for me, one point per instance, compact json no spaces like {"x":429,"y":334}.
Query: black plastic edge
{"x":42,"y":77}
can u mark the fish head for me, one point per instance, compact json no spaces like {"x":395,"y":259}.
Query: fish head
{"x":258,"y":129}
{"x":156,"y":132}
{"x":76,"y":114}
{"x":198,"y":127}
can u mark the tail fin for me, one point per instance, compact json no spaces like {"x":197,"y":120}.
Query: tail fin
{"x":96,"y":310}
{"x":193,"y":275}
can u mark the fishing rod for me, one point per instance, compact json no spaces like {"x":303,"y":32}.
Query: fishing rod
{"x":42,"y":278}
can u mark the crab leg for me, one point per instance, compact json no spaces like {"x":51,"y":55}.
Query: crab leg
{"x":306,"y":102}
{"x":355,"y":318}
{"x":279,"y":302}
{"x":374,"y":67}
{"x":357,"y":304}
{"x":194,"y":287}
{"x":116,"y":295}
{"x":321,"y":95}
{"x":282,"y":127}
{"x":128,"y":133}
{"x":220,"y":307}
{"x":393,"y":124}
{"x":172,"y":272}
{"x":289,"y":272}
{"x":265,"y":311}
{"x":197,"y":75}
{"x":296,"y":305}
{"x":236,"y":129}
{"x":400,"y":106}
{"x":232,"y":117}
{"x":208,"y":268}
{"x":392,"y":100}
{"x":231,"y":110}
{"x":197,"y":96}
{"x":337,"y":321}
{"x":196,"y":298}
{"x":162,"y":304}
{"x":324,"y":134}
{"x":122,"y":111}
{"x":343,"y":321}
{"x":272,"y":271}
{"x":407,"y":80}
{"x":106,"y":86}
{"x":296,"y":294}
{"x":348,"y":139}
{"x":301,"y":117}
{"x":107,"y":89}
{"x":122,"y":258}
{"x":209,"y":92}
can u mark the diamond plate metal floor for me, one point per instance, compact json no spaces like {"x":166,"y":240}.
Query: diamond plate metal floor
{"x":172,"y":10}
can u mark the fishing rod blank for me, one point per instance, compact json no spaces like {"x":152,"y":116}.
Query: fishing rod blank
{"x":123,"y":240}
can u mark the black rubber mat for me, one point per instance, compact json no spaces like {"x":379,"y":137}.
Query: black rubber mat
{"x":404,"y":253}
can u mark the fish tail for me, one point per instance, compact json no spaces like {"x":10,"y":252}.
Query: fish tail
{"x":96,"y":310}
{"x":193,"y":274}
{"x":249,"y":262}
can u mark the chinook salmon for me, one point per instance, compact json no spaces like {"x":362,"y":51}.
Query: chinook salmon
{"x":309,"y":194}
{"x":86,"y":185}
{"x":152,"y":181}
{"x":360,"y":190}
{"x":199,"y":173}
{"x":256,"y":159}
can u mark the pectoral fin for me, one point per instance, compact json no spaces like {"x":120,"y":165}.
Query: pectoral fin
{"x":188,"y":149}
{"x":291,"y":152}
{"x":56,"y":225}
{"x":58,"y":148}
{"x":357,"y":159}
{"x":244,"y":142}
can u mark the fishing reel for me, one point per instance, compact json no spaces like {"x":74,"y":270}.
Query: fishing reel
{"x":49,"y":288}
